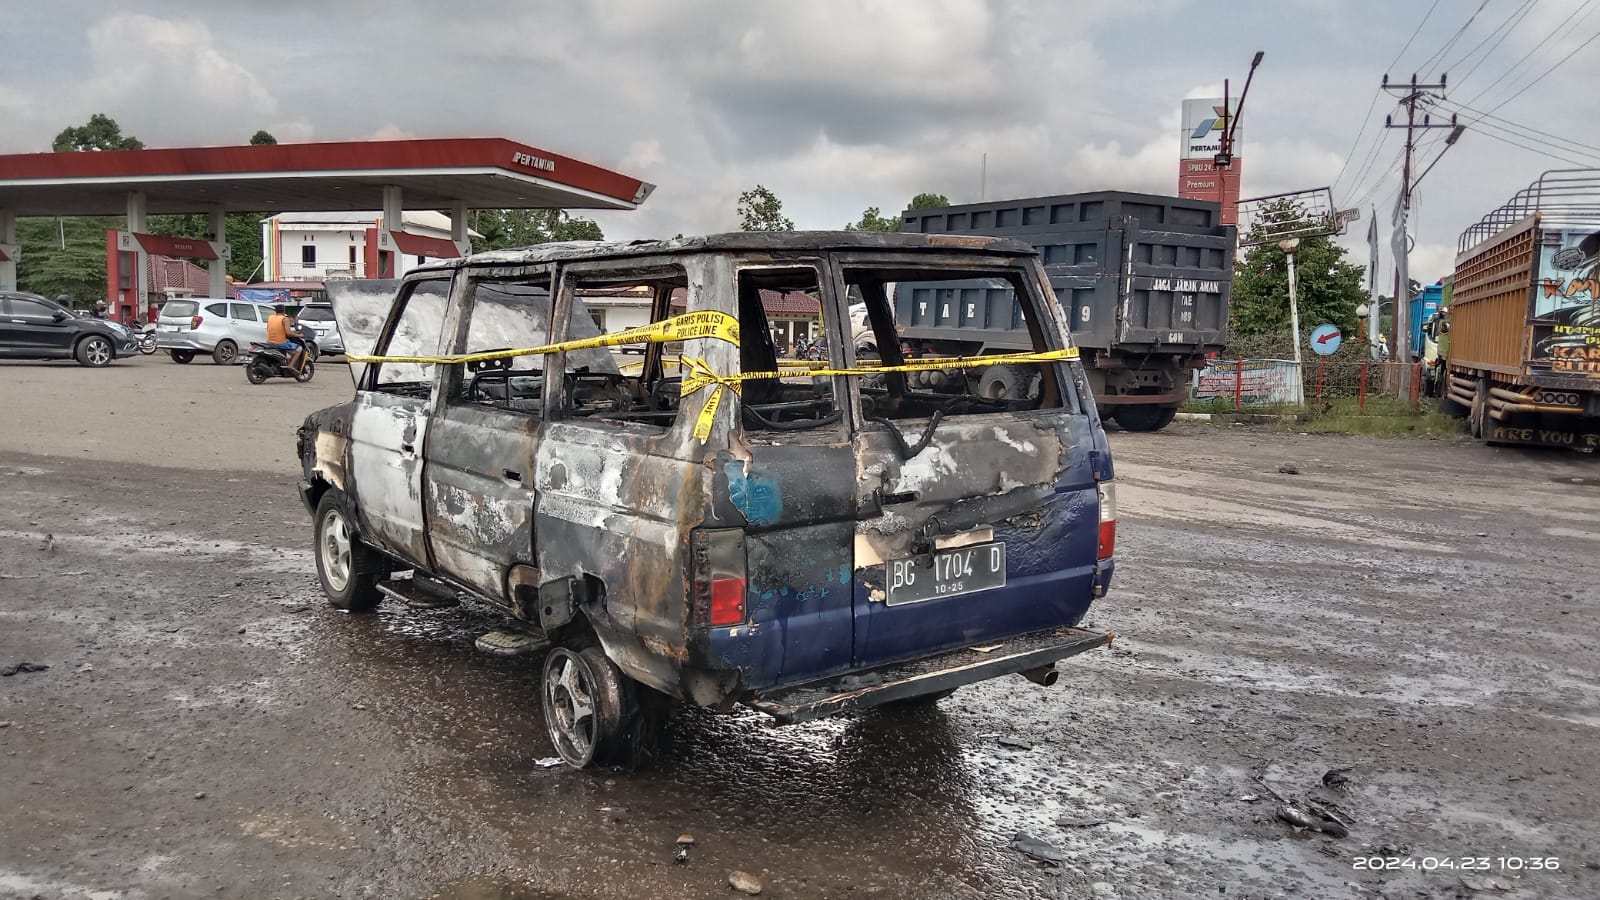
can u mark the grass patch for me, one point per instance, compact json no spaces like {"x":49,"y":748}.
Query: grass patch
{"x":1382,"y":416}
{"x":1224,"y":406}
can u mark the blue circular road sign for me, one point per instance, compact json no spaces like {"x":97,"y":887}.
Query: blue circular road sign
{"x":1325,"y":339}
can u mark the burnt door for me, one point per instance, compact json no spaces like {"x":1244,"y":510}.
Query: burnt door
{"x":479,"y":479}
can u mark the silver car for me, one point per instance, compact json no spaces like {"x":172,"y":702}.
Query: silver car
{"x":202,"y":325}
{"x":317,"y":321}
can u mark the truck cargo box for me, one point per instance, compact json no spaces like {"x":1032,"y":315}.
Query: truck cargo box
{"x":1137,"y":271}
{"x":1523,"y":360}
{"x":1144,"y":281}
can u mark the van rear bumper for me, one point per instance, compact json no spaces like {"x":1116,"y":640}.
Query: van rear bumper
{"x":931,"y":674}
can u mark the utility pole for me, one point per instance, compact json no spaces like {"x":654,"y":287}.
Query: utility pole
{"x":1410,"y":96}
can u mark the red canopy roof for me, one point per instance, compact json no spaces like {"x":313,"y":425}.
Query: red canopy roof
{"x":486,"y":173}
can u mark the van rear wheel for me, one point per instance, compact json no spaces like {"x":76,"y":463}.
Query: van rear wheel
{"x":588,"y":703}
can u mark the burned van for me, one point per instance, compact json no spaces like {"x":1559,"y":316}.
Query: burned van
{"x":710,"y":522}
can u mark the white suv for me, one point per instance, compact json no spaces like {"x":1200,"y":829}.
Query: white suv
{"x":203,"y":325}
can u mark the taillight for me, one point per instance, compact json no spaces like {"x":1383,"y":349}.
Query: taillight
{"x":718,"y":576}
{"x":1108,"y":519}
{"x":194,"y":323}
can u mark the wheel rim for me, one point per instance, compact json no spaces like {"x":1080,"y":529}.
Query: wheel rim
{"x":569,"y":706}
{"x":334,"y":550}
{"x":226,"y":351}
{"x":98,"y":352}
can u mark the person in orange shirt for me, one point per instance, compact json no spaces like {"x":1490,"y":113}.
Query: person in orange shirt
{"x":282,"y":334}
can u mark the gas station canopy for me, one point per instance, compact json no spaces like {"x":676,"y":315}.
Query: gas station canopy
{"x":477,"y":173}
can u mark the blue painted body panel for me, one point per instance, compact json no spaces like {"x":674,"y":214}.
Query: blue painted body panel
{"x":815,"y":610}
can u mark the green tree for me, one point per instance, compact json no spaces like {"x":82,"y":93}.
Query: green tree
{"x":64,"y":256}
{"x":928,"y":201}
{"x":262,"y":137}
{"x":872,"y":221}
{"x":502,"y":228}
{"x":761,"y":210}
{"x":101,"y":132}
{"x":67,"y":255}
{"x":1327,"y":287}
{"x":242,"y":231}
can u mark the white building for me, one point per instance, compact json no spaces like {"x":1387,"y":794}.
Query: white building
{"x":317,"y":246}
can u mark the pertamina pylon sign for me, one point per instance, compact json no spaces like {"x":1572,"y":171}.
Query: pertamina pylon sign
{"x":1199,"y":178}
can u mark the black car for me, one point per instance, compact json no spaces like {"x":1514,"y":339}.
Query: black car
{"x":32,"y":327}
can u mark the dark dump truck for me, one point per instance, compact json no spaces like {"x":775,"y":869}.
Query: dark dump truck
{"x":1520,"y":345}
{"x":1144,"y":279}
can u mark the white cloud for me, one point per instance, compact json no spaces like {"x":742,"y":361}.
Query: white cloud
{"x":391,"y":132}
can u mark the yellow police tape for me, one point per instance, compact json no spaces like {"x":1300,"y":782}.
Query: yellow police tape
{"x":701,"y":375}
{"x":724,"y":327}
{"x":710,"y":324}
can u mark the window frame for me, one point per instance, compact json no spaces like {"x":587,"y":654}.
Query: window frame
{"x":582,"y":274}
{"x":449,"y":380}
{"x":408,"y":287}
{"x":49,"y":313}
{"x":1021,"y":271}
{"x":830,"y":328}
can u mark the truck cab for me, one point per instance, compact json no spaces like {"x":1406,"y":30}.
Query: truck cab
{"x":710,"y":525}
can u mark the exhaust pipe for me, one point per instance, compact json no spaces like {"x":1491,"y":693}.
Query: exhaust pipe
{"x":1044,"y":675}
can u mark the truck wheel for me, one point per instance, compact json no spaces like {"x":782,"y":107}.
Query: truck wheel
{"x":1480,"y":410}
{"x":348,"y":570}
{"x":1008,"y":382}
{"x":1144,"y":416}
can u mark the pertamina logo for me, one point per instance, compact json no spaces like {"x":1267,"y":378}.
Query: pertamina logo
{"x":1207,"y":126}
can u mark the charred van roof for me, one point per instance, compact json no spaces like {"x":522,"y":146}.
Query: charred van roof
{"x":771,"y":241}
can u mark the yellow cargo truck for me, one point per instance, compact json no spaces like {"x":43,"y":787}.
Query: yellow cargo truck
{"x":1523,"y":358}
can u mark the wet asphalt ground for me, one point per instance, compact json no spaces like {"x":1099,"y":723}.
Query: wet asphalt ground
{"x":1421,"y":613}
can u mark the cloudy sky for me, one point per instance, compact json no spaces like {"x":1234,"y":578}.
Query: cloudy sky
{"x":838,"y":105}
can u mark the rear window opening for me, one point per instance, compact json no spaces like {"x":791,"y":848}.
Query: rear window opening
{"x":972,"y":298}
{"x":180,"y":309}
{"x":782,"y":326}
{"x":315,"y":314}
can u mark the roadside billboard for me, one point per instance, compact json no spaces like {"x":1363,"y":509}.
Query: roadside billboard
{"x":1199,"y":177}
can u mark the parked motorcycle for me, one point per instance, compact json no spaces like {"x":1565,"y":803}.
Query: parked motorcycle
{"x":269,"y":362}
{"x":146,"y":337}
{"x":811,"y":350}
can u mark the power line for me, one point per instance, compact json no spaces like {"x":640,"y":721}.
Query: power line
{"x":1541,"y":151}
{"x":1393,"y":168}
{"x":1414,"y":34}
{"x":1482,"y":127}
{"x":1513,"y":20}
{"x":1372,"y":156}
{"x":1529,"y":129}
{"x":1439,"y":53}
{"x":1535,"y":49}
{"x":1366,"y":119}
{"x":1542,"y":75}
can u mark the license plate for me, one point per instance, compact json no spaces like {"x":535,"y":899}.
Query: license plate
{"x":172,"y":328}
{"x":964,"y":570}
